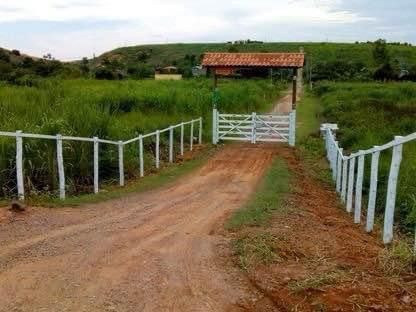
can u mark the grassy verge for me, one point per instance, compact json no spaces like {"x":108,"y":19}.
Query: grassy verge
{"x":269,"y":197}
{"x":258,"y":246}
{"x":393,"y":260}
{"x":166,"y":175}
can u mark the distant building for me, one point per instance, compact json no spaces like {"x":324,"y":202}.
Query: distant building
{"x":167,"y":73}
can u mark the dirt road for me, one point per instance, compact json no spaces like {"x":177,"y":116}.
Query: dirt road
{"x":156,"y":251}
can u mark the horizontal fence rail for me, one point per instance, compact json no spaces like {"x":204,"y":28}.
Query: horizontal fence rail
{"x":254,"y":127}
{"x":348,"y":174}
{"x":19,"y":136}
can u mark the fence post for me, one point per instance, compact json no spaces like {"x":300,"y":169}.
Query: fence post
{"x":350,"y":183}
{"x":141,"y":161}
{"x":121,"y":162}
{"x":292,"y":128}
{"x":200,"y":131}
{"x":214,"y":126}
{"x":19,"y":166}
{"x":96,"y":165}
{"x":61,"y":170}
{"x":253,"y":128}
{"x":192,"y":135}
{"x":339,"y":170}
{"x":391,"y":191}
{"x":182,"y":130}
{"x":157,"y":149}
{"x":334,"y":158}
{"x":171,"y":144}
{"x":373,"y":189}
{"x":359,"y":188}
{"x":344,"y":181}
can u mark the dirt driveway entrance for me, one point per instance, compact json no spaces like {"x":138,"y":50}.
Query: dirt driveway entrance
{"x":156,"y":251}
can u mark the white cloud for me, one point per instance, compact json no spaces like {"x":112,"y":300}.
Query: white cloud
{"x":164,"y":20}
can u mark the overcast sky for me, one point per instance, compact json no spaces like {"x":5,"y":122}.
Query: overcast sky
{"x":71,"y":29}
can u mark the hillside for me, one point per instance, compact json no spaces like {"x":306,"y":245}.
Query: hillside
{"x":22,"y":69}
{"x":326,"y":60}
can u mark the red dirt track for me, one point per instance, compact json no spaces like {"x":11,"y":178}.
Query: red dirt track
{"x":156,"y":251}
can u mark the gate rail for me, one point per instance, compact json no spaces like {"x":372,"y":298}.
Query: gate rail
{"x":254,"y":127}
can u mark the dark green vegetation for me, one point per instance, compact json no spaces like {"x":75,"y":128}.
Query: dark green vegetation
{"x":331,"y":61}
{"x":324,"y":61}
{"x":20,"y":69}
{"x":116,"y":110}
{"x":371,"y":114}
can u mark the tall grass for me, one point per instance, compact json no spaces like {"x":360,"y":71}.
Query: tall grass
{"x":371,"y":114}
{"x":115,"y":110}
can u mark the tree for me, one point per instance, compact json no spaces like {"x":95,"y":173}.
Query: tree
{"x":4,"y":56}
{"x":232,"y":49}
{"x":380,"y":52}
{"x":16,"y":52}
{"x":85,"y":69}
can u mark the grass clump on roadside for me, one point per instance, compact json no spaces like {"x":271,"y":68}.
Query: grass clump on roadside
{"x":397,"y":259}
{"x":269,"y":197}
{"x":255,"y":249}
{"x":316,"y":281}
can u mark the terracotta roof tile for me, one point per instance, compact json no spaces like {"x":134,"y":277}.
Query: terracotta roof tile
{"x":254,"y":59}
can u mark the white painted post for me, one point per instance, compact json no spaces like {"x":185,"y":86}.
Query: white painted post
{"x":61,"y":170}
{"x":334,"y":158}
{"x":200,"y":131}
{"x":19,"y":166}
{"x":171,"y":144}
{"x":359,"y":188}
{"x":192,"y":136}
{"x":339,"y":171}
{"x":344,"y":181}
{"x":350,"y":183}
{"x":391,"y":192}
{"x":373,"y":189}
{"x":253,"y":128}
{"x":157,"y":149}
{"x":214,"y":126}
{"x":292,"y":128}
{"x":121,"y":162}
{"x":182,"y":130}
{"x":141,"y":161}
{"x":96,"y":165}
{"x":328,"y":145}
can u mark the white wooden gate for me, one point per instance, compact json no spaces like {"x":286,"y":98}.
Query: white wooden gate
{"x":254,"y":127}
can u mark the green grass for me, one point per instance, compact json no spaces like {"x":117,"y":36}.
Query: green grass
{"x":268,"y":198}
{"x":371,"y":114}
{"x":115,"y":110}
{"x":166,"y":175}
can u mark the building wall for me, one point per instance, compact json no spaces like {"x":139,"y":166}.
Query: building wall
{"x":168,"y":77}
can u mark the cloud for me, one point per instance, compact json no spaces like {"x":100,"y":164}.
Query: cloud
{"x":75,"y":28}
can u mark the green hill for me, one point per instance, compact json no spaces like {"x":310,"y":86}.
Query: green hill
{"x":333,"y":61}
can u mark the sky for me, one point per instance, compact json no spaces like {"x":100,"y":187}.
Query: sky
{"x":72,"y":29}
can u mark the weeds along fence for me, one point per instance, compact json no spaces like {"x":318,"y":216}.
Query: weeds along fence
{"x":348,"y":175}
{"x":19,"y":136}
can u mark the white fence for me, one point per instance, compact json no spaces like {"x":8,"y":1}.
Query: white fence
{"x":348,"y":173}
{"x":254,"y":127}
{"x":19,"y":135}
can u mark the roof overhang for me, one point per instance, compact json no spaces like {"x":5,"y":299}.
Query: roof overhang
{"x":254,"y":60}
